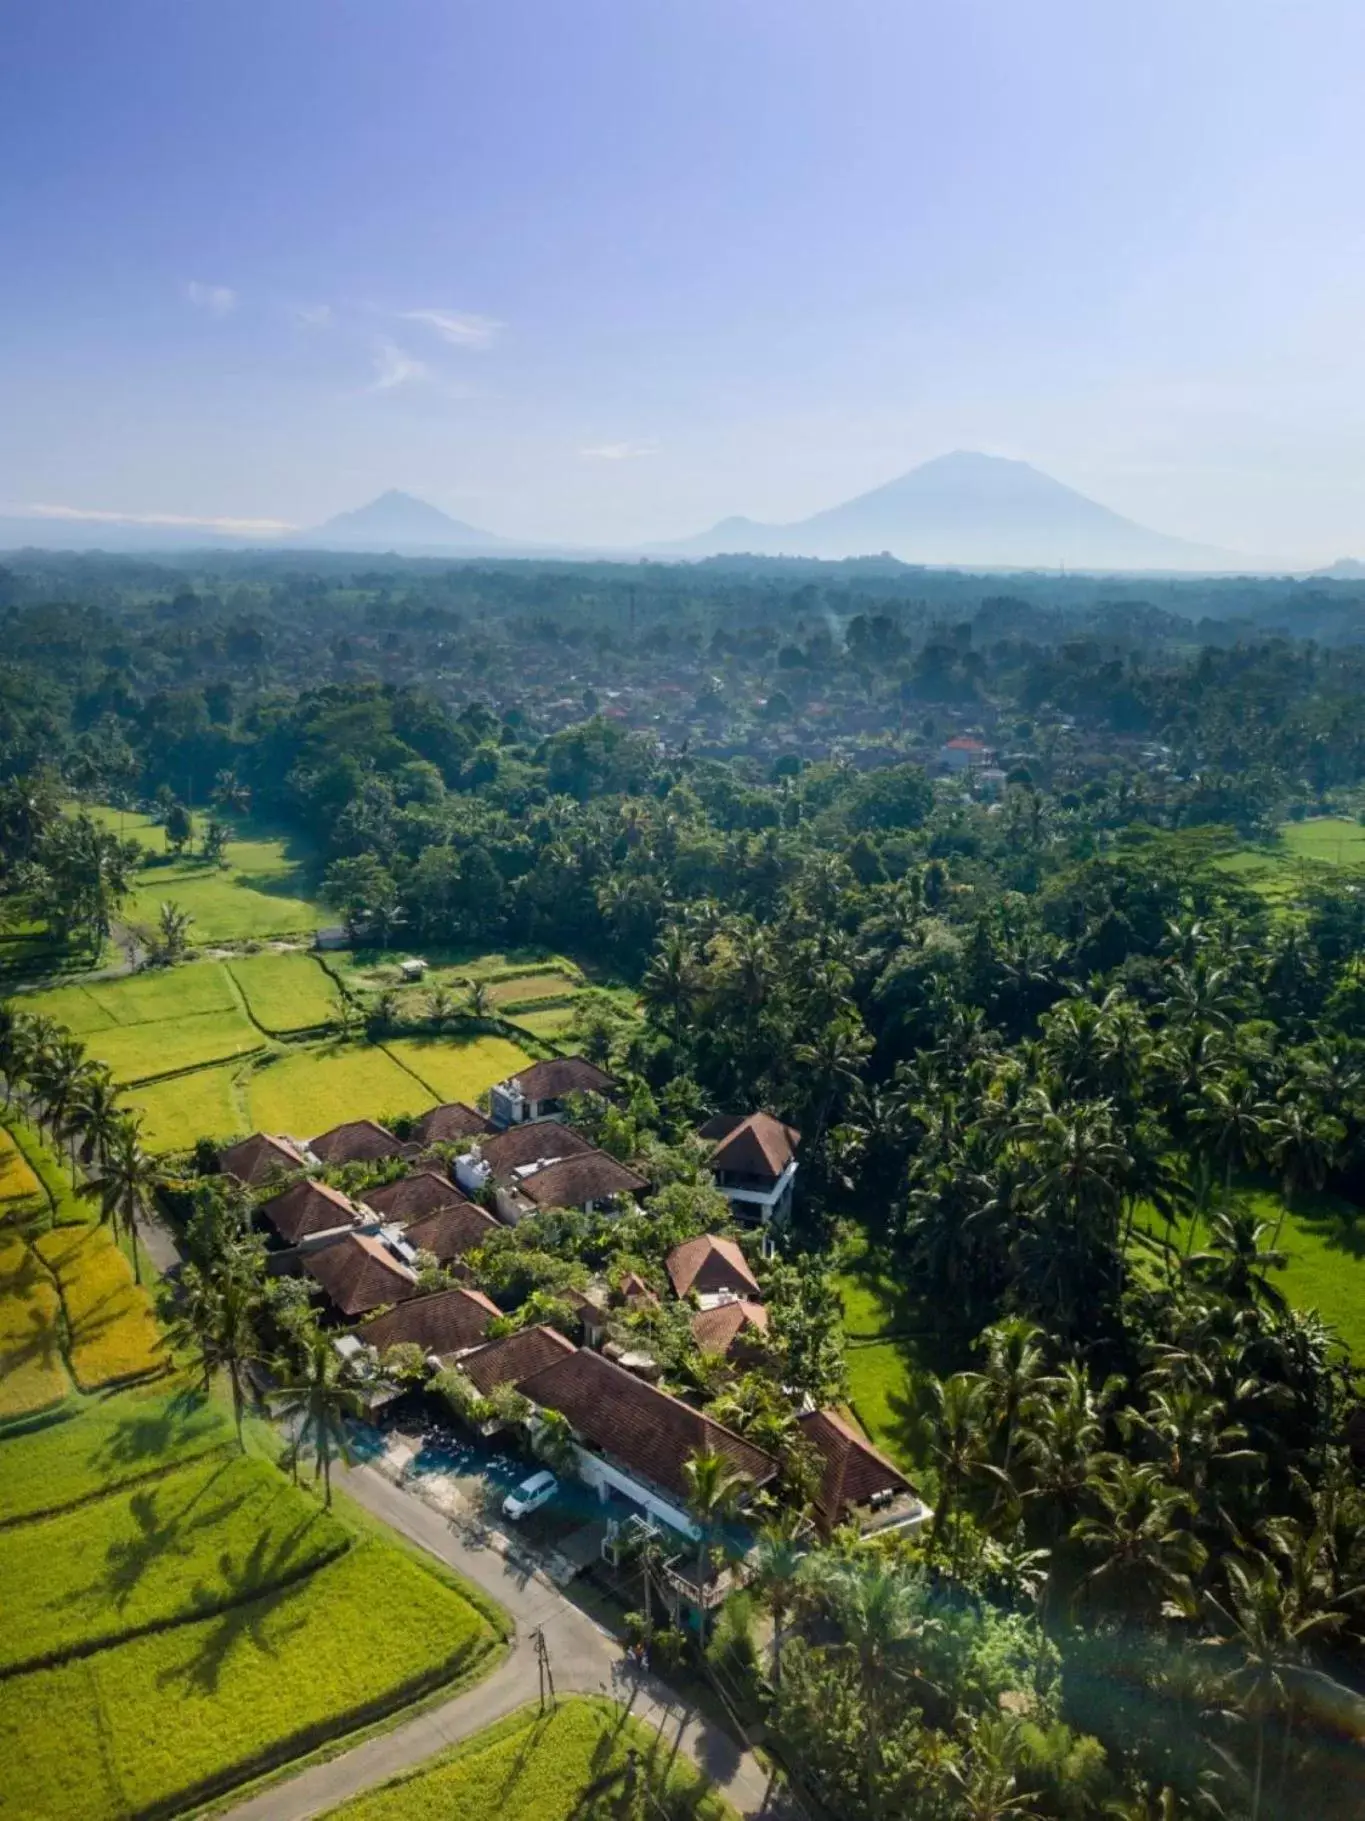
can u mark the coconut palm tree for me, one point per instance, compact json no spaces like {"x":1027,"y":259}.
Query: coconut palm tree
{"x":218,"y":1322}
{"x":124,"y":1185}
{"x":959,"y":1428}
{"x":1236,"y":1262}
{"x":173,"y":923}
{"x":479,"y":999}
{"x":1147,"y":1555}
{"x":776,"y":1578}
{"x":1015,"y":1365}
{"x":1236,"y":1125}
{"x":100,"y":1115}
{"x":715,"y":1488}
{"x":317,"y":1402}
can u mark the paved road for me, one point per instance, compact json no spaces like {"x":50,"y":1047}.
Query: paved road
{"x":584,"y":1659}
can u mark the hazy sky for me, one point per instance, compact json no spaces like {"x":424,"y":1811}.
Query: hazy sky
{"x":611,"y":269}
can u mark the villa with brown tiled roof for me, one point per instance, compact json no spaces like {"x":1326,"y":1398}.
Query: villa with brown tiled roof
{"x":539,"y":1091}
{"x":543,"y":1166}
{"x":753,"y":1163}
{"x":711,"y":1266}
{"x":258,"y":1160}
{"x":307,"y":1208}
{"x":411,"y":1197}
{"x":513,"y":1149}
{"x":449,"y":1123}
{"x":729,"y":1328}
{"x":858,"y":1484}
{"x":636,"y":1439}
{"x":359,"y":1273}
{"x":357,"y":1141}
{"x":443,"y":1324}
{"x":451,"y":1231}
{"x":515,"y":1357}
{"x":587,"y":1182}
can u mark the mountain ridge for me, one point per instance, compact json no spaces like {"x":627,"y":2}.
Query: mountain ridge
{"x":966,"y":510}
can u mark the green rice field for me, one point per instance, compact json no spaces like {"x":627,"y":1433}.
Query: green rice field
{"x":143,"y":1051}
{"x":567,"y":1765}
{"x":551,"y":1022}
{"x":285,"y":991}
{"x":210,"y":1103}
{"x":180,"y":1619}
{"x":1277,"y":869}
{"x":531,"y":989}
{"x":307,"y":1091}
{"x":459,"y":1069}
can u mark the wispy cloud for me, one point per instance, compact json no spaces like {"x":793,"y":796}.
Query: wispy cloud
{"x":618,"y":452}
{"x":93,"y":515}
{"x":312,"y":316}
{"x":460,"y":329}
{"x":394,"y":366}
{"x":217,"y":300}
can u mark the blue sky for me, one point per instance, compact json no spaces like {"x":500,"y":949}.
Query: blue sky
{"x":607,"y":270}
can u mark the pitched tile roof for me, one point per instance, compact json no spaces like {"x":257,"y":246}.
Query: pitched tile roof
{"x":708,"y":1264}
{"x":256,"y":1160}
{"x":523,"y":1144}
{"x":411,"y":1197}
{"x":451,"y":1231}
{"x":716,"y":1330}
{"x":308,"y":1207}
{"x":456,"y":1119}
{"x":562,"y":1075}
{"x":853,"y":1468}
{"x":357,"y":1141}
{"x":758,"y":1145}
{"x":358,"y":1272}
{"x":647,"y":1431}
{"x":446,"y":1322}
{"x":575,"y":1180}
{"x":515,"y":1357}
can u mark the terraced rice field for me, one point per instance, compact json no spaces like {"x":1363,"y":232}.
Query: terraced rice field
{"x":551,"y":1022}
{"x":310,"y":1090}
{"x":112,"y":1335}
{"x":531,"y":989}
{"x":456,"y":1069}
{"x":155,"y":1023}
{"x":210,"y":1103}
{"x":32,"y":1372}
{"x":565,"y":1766}
{"x":142,"y":1052}
{"x":285,"y":991}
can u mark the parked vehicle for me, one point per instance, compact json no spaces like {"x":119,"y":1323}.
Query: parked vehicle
{"x":530,"y":1495}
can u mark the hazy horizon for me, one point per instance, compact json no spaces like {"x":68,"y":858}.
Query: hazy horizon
{"x":606,"y":277}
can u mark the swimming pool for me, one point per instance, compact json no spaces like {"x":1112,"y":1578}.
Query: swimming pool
{"x":444,"y":1452}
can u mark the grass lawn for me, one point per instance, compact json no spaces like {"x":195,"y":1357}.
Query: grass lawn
{"x":112,"y":1333}
{"x":161,"y":1720}
{"x":459,"y":1070}
{"x":568,"y":1765}
{"x":141,"y":1051}
{"x":1324,"y":1238}
{"x":206,"y":1104}
{"x":882,"y":1394}
{"x":32,"y":1373}
{"x":311,"y":1090}
{"x":286,"y":991}
{"x":112,"y":1442}
{"x":203,"y":1537}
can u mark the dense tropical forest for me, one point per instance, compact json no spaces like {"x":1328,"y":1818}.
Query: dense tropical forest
{"x":1034,"y":903}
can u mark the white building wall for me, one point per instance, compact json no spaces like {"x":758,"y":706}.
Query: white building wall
{"x":605,"y":1478}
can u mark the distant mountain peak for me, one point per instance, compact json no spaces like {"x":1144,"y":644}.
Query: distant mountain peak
{"x":968,"y":510}
{"x":395,"y":521}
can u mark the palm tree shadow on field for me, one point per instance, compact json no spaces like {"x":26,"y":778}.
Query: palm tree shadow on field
{"x":250,"y":1609}
{"x":162,"y":1531}
{"x":148,"y":1436}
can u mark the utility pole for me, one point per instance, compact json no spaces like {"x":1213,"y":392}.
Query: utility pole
{"x":547,"y":1675}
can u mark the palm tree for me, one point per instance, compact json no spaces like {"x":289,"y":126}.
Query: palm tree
{"x":100,"y":1113}
{"x":174,"y":925}
{"x":880,"y":1612}
{"x":218,"y":1320}
{"x":672,"y":977}
{"x":1146,"y":1551}
{"x":56,"y":1076}
{"x":1236,"y":1124}
{"x":715,"y":1488}
{"x":1303,"y":1144}
{"x":1014,"y":1367}
{"x":317,"y":1403}
{"x":1236,"y":1262}
{"x":777,"y":1564}
{"x":1267,"y":1619}
{"x":958,"y":1436}
{"x":1059,"y":1447}
{"x":553,"y":1441}
{"x":124,"y":1185}
{"x":480,"y":999}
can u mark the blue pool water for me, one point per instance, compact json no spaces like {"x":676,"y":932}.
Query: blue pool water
{"x":367,"y":1443}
